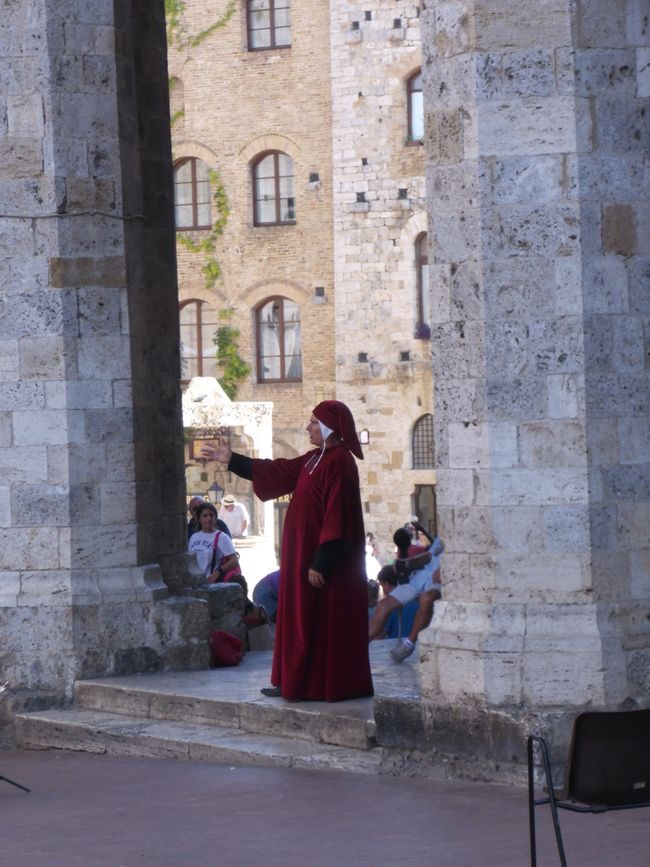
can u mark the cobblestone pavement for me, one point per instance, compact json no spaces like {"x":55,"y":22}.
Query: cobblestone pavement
{"x":97,"y":811}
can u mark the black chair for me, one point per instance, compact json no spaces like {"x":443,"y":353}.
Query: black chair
{"x":608,"y":769}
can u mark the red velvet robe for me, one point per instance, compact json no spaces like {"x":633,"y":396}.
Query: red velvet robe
{"x":321,"y":639}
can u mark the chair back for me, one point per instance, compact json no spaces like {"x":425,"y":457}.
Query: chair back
{"x":610,"y":758}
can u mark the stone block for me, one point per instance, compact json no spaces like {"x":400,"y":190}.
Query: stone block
{"x":524,"y":179}
{"x":528,"y":126}
{"x":454,"y":186}
{"x":87,"y":271}
{"x":568,"y":285}
{"x":112,"y":427}
{"x":642,"y":66}
{"x":444,"y":136}
{"x":117,"y":503}
{"x":605,"y":70}
{"x":22,"y":548}
{"x":47,"y":358}
{"x":613,"y":115}
{"x":554,"y":345}
{"x":564,"y":399}
{"x":48,"y":427}
{"x":619,"y":230}
{"x":112,"y":546}
{"x":553,"y":444}
{"x":23,"y":464}
{"x":529,"y":26}
{"x":639,"y":286}
{"x":628,"y":351}
{"x":455,"y":487}
{"x":567,"y":528}
{"x":633,"y":438}
{"x":518,"y":529}
{"x":460,"y":344}
{"x":5,"y":430}
{"x":516,"y":399}
{"x":5,"y":506}
{"x":531,"y":487}
{"x":470,"y":527}
{"x":9,"y":359}
{"x":563,"y":679}
{"x":482,"y":445}
{"x":25,"y":115}
{"x":640,"y":575}
{"x":601,"y":23}
{"x":633,"y":523}
{"x":514,"y":74}
{"x":544,"y":231}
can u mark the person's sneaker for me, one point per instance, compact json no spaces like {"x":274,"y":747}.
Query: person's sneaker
{"x":402,"y":650}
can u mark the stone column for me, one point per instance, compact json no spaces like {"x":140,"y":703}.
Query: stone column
{"x":91,"y":462}
{"x":537,"y":151}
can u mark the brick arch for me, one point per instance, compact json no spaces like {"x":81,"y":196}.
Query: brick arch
{"x":270,"y":142}
{"x":195,"y":149}
{"x":266,"y":288}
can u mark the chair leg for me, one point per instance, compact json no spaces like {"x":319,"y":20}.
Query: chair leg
{"x":531,"y":806}
{"x":552,"y":802}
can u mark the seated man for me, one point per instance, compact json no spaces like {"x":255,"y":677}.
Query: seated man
{"x":265,"y":593}
{"x":417,"y":580}
{"x":396,"y":626}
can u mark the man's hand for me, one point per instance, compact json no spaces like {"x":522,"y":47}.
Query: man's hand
{"x":220,"y":453}
{"x":315,"y":578}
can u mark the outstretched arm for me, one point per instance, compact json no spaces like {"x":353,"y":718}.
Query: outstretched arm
{"x":220,"y":453}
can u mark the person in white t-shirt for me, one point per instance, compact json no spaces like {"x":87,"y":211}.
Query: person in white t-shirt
{"x":214,"y":549}
{"x":235,"y":516}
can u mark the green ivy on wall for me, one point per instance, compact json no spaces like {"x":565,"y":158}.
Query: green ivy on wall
{"x":233,"y":368}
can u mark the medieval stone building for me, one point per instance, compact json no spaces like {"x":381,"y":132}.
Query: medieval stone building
{"x":311,"y":120}
{"x":536,"y":165}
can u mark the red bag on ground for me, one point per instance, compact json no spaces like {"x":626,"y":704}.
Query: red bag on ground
{"x":227,"y":649}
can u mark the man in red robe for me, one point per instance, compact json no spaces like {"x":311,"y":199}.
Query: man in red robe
{"x":321,"y":639}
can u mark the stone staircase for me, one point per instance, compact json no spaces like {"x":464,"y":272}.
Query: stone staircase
{"x":217,"y":715}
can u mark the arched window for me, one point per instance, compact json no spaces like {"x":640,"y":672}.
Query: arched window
{"x":422,"y":329}
{"x":269,"y":24}
{"x":199,"y":323}
{"x":192,"y":194}
{"x":273,"y":201}
{"x":423,"y":442}
{"x":415,"y":107}
{"x":279,"y":357}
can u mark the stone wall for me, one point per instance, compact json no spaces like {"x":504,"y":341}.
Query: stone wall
{"x":375,"y":49}
{"x":238,"y":104}
{"x":91,"y":497}
{"x":537,"y":148}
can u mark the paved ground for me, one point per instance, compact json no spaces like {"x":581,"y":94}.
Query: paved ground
{"x":97,"y":811}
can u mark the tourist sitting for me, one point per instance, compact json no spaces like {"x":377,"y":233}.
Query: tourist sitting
{"x":400,"y":621}
{"x":214,"y":549}
{"x":418,"y":579}
{"x":265,"y":593}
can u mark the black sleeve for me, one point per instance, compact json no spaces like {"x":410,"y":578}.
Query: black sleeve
{"x":328,"y":555}
{"x":242,"y":466}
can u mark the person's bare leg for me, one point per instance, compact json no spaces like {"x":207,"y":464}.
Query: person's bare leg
{"x":424,"y":613}
{"x":383,"y":611}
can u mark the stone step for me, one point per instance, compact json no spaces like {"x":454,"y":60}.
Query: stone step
{"x":199,"y":701}
{"x":128,"y":735}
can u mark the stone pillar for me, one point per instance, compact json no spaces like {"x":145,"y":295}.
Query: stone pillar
{"x":537,"y":151}
{"x":91,"y":461}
